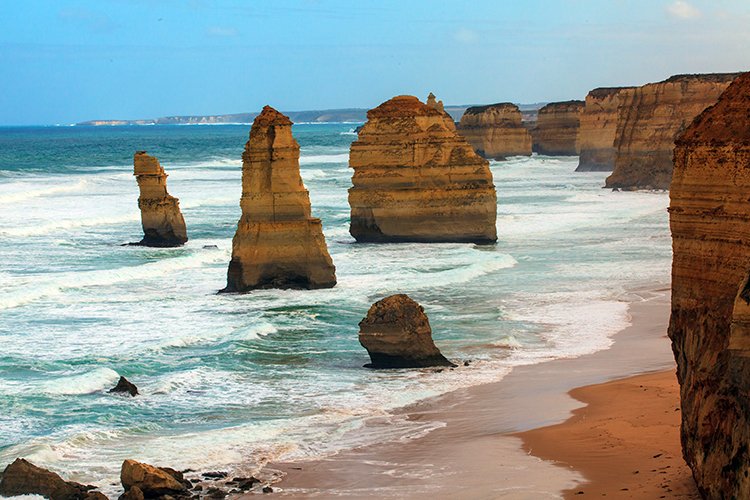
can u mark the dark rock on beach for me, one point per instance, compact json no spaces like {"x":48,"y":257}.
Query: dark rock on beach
{"x":24,"y":478}
{"x":125,"y":386}
{"x":152,"y":481}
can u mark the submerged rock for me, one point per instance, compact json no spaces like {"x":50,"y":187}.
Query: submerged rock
{"x":397,"y":334}
{"x":417,"y":180}
{"x":124,"y":385}
{"x":709,"y":326}
{"x":278,"y":244}
{"x":163,"y":224}
{"x":151,"y":481}
{"x":496,"y":131}
{"x":24,"y":478}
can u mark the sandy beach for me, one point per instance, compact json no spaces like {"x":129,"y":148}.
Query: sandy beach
{"x":478,"y":452}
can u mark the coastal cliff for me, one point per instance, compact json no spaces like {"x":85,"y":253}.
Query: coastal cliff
{"x":162,"y":221}
{"x":278,"y":244}
{"x":556,"y":131}
{"x":650,"y":118}
{"x":416,"y":179}
{"x":496,"y":131}
{"x":596,"y":135}
{"x":710,"y":223}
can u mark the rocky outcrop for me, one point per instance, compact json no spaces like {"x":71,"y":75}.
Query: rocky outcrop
{"x":598,"y":128}
{"x":710,"y":222}
{"x":278,"y":244}
{"x":142,"y":479}
{"x":416,"y":179}
{"x":495,"y":131}
{"x":163,"y":225}
{"x":397,"y":334}
{"x":556,"y":131}
{"x":434,"y":103}
{"x":24,"y":478}
{"x":124,"y":386}
{"x":650,"y":118}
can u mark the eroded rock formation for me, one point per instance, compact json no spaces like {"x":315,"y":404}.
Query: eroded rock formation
{"x":163,"y":224}
{"x":556,"y":131}
{"x":397,"y":334}
{"x":650,"y":118}
{"x":24,"y":478}
{"x":278,"y":244}
{"x":598,"y":128}
{"x":144,"y":480}
{"x":710,"y":222}
{"x":495,"y":131}
{"x":416,"y":179}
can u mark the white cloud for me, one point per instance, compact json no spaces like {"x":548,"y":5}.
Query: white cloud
{"x":465,"y":35}
{"x":683,"y":10}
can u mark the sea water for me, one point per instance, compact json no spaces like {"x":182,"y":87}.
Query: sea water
{"x":231,"y":382}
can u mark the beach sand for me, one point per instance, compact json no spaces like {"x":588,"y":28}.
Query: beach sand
{"x":477,"y":453}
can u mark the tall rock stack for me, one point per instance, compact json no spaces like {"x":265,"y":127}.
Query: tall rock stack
{"x":650,"y":118}
{"x":556,"y":131}
{"x":496,"y":131}
{"x":415,"y":179}
{"x":710,"y":222}
{"x":596,"y":134}
{"x":278,"y":244}
{"x":162,"y":221}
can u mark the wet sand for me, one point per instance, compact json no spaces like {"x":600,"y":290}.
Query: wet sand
{"x":477,"y":454}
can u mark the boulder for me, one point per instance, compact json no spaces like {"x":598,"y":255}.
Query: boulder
{"x":397,"y":334}
{"x":125,"y":386}
{"x":24,"y":478}
{"x":496,"y":131}
{"x":151,"y":481}
{"x":278,"y":244}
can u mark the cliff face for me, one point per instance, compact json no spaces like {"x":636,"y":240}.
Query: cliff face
{"x":556,"y":131}
{"x":278,"y":244}
{"x":163,"y":224}
{"x":709,"y":327}
{"x":496,"y":131}
{"x":596,"y":135}
{"x":416,"y":179}
{"x":650,"y":118}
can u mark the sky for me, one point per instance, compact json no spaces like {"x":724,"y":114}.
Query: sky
{"x":65,"y":61}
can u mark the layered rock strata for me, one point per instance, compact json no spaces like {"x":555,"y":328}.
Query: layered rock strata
{"x":650,"y":118}
{"x":163,"y":224}
{"x":416,"y":179}
{"x":278,"y":244}
{"x":556,"y":130}
{"x":709,"y":327}
{"x":397,"y":334}
{"x":598,"y":128}
{"x":496,"y":131}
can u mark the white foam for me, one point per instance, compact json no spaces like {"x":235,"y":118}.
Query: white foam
{"x":84,"y":383}
{"x":310,"y":159}
{"x":27,"y":194}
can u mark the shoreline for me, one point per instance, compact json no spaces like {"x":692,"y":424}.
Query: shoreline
{"x":477,"y":452}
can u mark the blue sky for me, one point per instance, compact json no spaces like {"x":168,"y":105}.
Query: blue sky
{"x":68,"y":61}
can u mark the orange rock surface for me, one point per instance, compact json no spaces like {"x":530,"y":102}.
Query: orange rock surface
{"x":710,"y":222}
{"x":496,"y":131}
{"x":650,"y":118}
{"x":556,"y":131}
{"x":416,"y":179}
{"x":278,"y":244}
{"x":163,"y":224}
{"x":596,"y":134}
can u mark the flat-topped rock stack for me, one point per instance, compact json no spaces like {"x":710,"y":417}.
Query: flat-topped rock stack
{"x":496,"y":131}
{"x":710,"y":323}
{"x":278,"y":244}
{"x":162,"y":221}
{"x":598,"y":128}
{"x":417,"y":180}
{"x":649,"y":120}
{"x":556,"y":130}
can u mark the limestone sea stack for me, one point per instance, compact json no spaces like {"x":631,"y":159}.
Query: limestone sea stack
{"x":397,"y":334}
{"x":650,"y":118}
{"x":278,"y":244}
{"x":496,"y":131}
{"x":417,"y":180}
{"x":556,"y":131}
{"x":709,"y":328}
{"x":163,"y":224}
{"x":596,"y":134}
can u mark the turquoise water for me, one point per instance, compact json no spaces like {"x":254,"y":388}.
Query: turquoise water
{"x":232,"y":381}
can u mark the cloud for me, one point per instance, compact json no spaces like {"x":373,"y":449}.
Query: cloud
{"x":222,"y":31}
{"x":466,"y":36}
{"x":683,"y":10}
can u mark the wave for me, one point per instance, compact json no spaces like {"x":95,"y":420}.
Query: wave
{"x":84,"y":383}
{"x":69,"y":224}
{"x":27,"y":195}
{"x":336,"y":158}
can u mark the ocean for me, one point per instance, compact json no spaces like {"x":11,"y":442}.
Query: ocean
{"x":231,"y":382}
